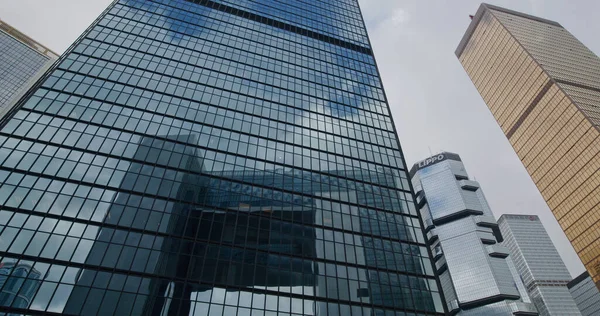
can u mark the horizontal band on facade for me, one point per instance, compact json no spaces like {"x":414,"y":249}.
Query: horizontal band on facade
{"x":529,"y":109}
{"x":578,"y":85}
{"x":283,"y":26}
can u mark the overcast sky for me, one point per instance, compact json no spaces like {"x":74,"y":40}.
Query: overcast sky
{"x":435,"y":105}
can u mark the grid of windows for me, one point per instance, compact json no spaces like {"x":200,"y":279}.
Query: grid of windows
{"x":18,"y":64}
{"x":181,"y":159}
{"x":541,"y":85}
{"x":585,"y":294}
{"x":479,"y":276}
{"x":323,"y":20}
{"x":539,"y":264}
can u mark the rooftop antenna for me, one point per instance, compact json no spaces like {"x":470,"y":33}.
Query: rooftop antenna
{"x":430,"y":153}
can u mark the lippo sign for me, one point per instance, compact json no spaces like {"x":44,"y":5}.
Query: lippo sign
{"x":430,"y":161}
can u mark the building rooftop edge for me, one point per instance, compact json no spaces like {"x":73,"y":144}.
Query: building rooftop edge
{"x":22,"y":37}
{"x":417,"y":165}
{"x":578,"y":279}
{"x":528,"y":216}
{"x":477,"y":18}
{"x":521,"y":14}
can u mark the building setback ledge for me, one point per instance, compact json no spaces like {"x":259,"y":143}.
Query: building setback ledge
{"x":578,"y":279}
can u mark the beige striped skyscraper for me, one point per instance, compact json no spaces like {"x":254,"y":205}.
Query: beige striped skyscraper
{"x":22,"y":62}
{"x":543,"y":87}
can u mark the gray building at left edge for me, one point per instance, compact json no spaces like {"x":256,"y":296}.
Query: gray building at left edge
{"x":477,"y":275}
{"x":22,"y":61}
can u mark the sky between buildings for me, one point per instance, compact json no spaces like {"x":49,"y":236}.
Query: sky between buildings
{"x":435,"y":105}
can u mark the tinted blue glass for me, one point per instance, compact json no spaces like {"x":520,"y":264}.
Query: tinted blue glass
{"x":212,"y":158}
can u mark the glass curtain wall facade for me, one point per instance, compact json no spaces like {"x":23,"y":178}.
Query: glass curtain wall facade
{"x":542,"y":270}
{"x":585,"y":294}
{"x":477,"y":274}
{"x":21,"y":59}
{"x":543,"y":87}
{"x":212,"y":158}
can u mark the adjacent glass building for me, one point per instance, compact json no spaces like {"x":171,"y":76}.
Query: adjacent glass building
{"x":212,"y":158}
{"x":477,"y":275}
{"x":543,"y":87}
{"x":585,"y":294}
{"x":22,"y":61}
{"x":542,"y":270}
{"x":19,"y":283}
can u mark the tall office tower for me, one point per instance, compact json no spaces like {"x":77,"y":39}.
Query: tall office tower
{"x":543,"y":87}
{"x":22,"y":60}
{"x":585,"y":294}
{"x":477,"y":275}
{"x":542,"y":270}
{"x":213,"y":158}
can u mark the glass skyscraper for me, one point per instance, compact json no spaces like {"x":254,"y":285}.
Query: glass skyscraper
{"x":586,"y":294}
{"x":542,"y":270}
{"x":543,"y":87}
{"x":477,"y":274}
{"x":212,"y":158}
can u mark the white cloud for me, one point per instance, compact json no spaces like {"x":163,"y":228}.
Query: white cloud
{"x":400,"y":16}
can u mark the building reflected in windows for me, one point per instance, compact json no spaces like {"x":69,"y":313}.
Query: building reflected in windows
{"x":19,"y":283}
{"x":214,"y":158}
{"x":222,"y":235}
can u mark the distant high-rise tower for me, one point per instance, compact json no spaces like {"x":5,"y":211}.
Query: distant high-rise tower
{"x":224,"y":157}
{"x":19,"y":284}
{"x":542,"y":270}
{"x":477,"y":274}
{"x":22,"y":60}
{"x":543,"y":87}
{"x":585,"y":294}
